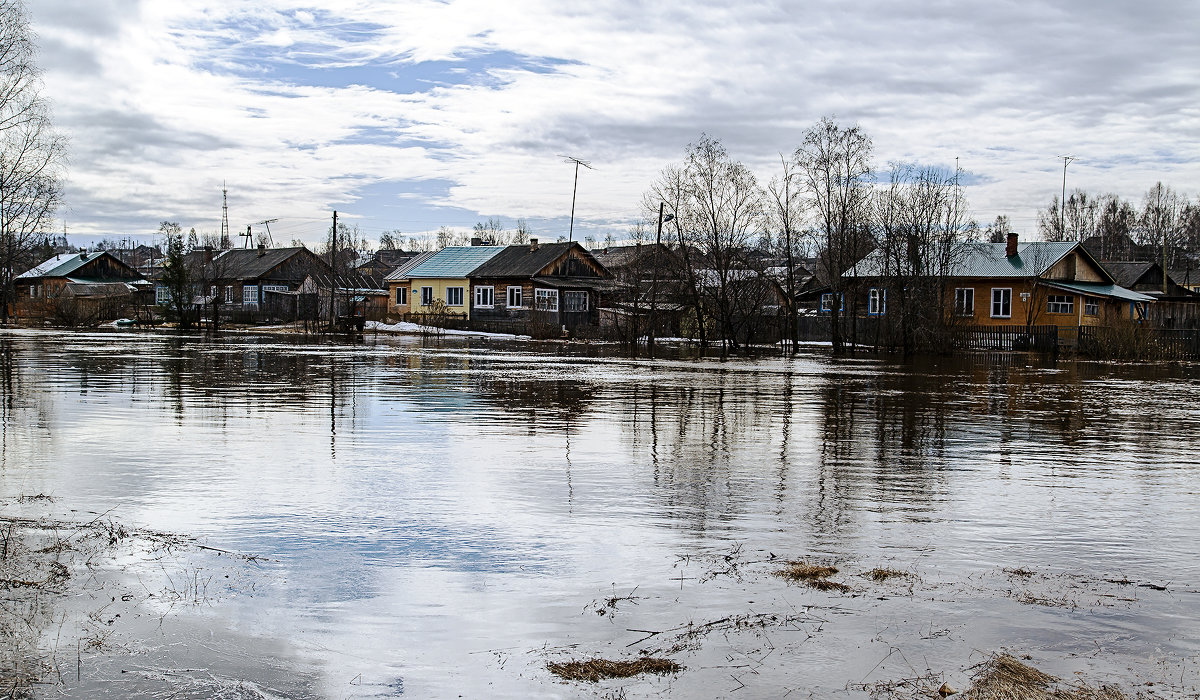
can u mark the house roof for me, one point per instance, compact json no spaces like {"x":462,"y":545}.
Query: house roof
{"x":246,"y":263}
{"x":62,"y":265}
{"x":454,"y":261}
{"x":985,"y":260}
{"x":1099,"y":289}
{"x":401,"y":273}
{"x":523,"y":260}
{"x":1127,"y":274}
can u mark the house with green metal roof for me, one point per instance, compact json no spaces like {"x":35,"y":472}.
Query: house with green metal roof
{"x":84,"y":281}
{"x":1014,"y":283}
{"x":440,"y":284}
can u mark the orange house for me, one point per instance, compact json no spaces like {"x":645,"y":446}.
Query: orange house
{"x":1030,"y":284}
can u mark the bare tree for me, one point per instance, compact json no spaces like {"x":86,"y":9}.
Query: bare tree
{"x":1162,"y":221}
{"x":520,"y":235}
{"x":786,"y":216}
{"x":998,"y":230}
{"x":1115,"y":225}
{"x":491,"y":231}
{"x":671,"y":189}
{"x":835,"y":166}
{"x":31,"y":152}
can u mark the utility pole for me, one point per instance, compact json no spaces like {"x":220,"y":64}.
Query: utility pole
{"x":332,"y":269}
{"x":1062,"y":204}
{"x":575,"y":189}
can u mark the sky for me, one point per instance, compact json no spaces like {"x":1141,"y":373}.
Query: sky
{"x":413,"y":114}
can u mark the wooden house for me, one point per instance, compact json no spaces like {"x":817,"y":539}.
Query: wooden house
{"x":1175,"y":306}
{"x":79,"y":287}
{"x":552,"y":283}
{"x":1001,"y":284}
{"x":244,"y":276}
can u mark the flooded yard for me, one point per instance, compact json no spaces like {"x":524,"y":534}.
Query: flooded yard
{"x":465,"y":518}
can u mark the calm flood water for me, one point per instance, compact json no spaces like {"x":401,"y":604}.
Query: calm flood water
{"x":442,"y":520}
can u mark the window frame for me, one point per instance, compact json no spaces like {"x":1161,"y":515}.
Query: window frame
{"x":249,"y":295}
{"x":426,"y":296}
{"x":828,"y":307}
{"x":1091,"y":306}
{"x":520,"y":296}
{"x":1060,"y":303}
{"x":876,"y":301}
{"x":542,"y":297}
{"x":1004,"y":301}
{"x":401,"y":296}
{"x":485,"y":291}
{"x":963,"y":309}
{"x":450,"y":293}
{"x":575,"y":294}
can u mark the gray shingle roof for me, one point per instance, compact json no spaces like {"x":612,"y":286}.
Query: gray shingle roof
{"x":454,"y":261}
{"x":985,"y":260}
{"x":61,"y":265}
{"x":247,"y":264}
{"x":521,"y":261}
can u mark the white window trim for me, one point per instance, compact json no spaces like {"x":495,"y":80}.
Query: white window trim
{"x":993,"y":302}
{"x":427,"y":296}
{"x":250,"y":295}
{"x":965,"y":311}
{"x":520,"y":296}
{"x":401,"y":296}
{"x":876,"y":298}
{"x":1069,"y":304}
{"x":1094,"y":303}
{"x":461,"y":296}
{"x":479,"y":291}
{"x":548,"y":295}
{"x":162,"y":294}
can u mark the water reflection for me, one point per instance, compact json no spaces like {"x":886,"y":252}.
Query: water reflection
{"x":417,"y":481}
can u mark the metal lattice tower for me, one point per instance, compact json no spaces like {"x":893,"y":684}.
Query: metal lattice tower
{"x":224,"y":216}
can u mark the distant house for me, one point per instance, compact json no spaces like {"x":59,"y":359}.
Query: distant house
{"x":244,"y":276}
{"x":1177,"y":307}
{"x":383,"y":262}
{"x":79,"y":287}
{"x":553,"y":283}
{"x":1012,"y":283}
{"x":440,"y":284}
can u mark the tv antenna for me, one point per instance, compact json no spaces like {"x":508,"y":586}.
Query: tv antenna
{"x":577,"y":162}
{"x":267,"y":223}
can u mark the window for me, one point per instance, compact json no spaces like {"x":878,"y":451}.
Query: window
{"x":876,"y":302}
{"x":485,"y":297}
{"x":514,"y":298}
{"x":964,"y":302}
{"x":827,"y":302}
{"x":1002,"y":302}
{"x":162,"y":295}
{"x":426,"y":296}
{"x":454,"y":296}
{"x":250,"y":295}
{"x":1091,"y":306}
{"x":1060,"y":304}
{"x":574,"y":302}
{"x":228,"y":295}
{"x":401,"y":296}
{"x":545,"y":299}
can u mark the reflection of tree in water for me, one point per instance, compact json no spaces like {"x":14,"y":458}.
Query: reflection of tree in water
{"x":534,"y":398}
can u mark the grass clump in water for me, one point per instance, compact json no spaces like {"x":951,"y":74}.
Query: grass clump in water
{"x":880,"y":575}
{"x":594,"y":670}
{"x":815,"y":575}
{"x":1003,"y":677}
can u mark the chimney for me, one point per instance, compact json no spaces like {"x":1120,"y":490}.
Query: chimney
{"x":532,"y":244}
{"x":1010,"y":250}
{"x":208,"y":255}
{"x":262,"y":249}
{"x":476,"y":241}
{"x":83,"y":255}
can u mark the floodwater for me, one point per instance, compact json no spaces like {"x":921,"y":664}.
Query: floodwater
{"x":442,"y":519}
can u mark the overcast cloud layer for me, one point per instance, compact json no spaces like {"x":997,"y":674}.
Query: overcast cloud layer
{"x":410,"y":115}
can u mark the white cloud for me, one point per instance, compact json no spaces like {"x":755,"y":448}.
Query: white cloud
{"x":300,"y":108}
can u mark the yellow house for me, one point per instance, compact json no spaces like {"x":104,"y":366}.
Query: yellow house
{"x":440,"y":284}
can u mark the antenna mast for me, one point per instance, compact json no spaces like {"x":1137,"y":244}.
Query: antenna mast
{"x":577,"y":162}
{"x":224,"y":216}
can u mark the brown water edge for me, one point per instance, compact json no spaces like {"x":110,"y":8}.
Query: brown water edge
{"x":90,"y":607}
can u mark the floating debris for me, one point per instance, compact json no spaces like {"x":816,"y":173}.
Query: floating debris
{"x":1003,"y":677}
{"x":594,"y":670}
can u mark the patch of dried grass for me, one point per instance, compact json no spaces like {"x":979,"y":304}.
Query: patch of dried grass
{"x":1020,"y":571}
{"x":594,"y":670}
{"x":880,"y":575}
{"x":1003,"y":677}
{"x":803,"y":571}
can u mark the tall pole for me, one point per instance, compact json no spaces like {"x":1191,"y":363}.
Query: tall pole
{"x":654,"y":284}
{"x":574,"y":190}
{"x":332,"y":269}
{"x":1062,"y":204}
